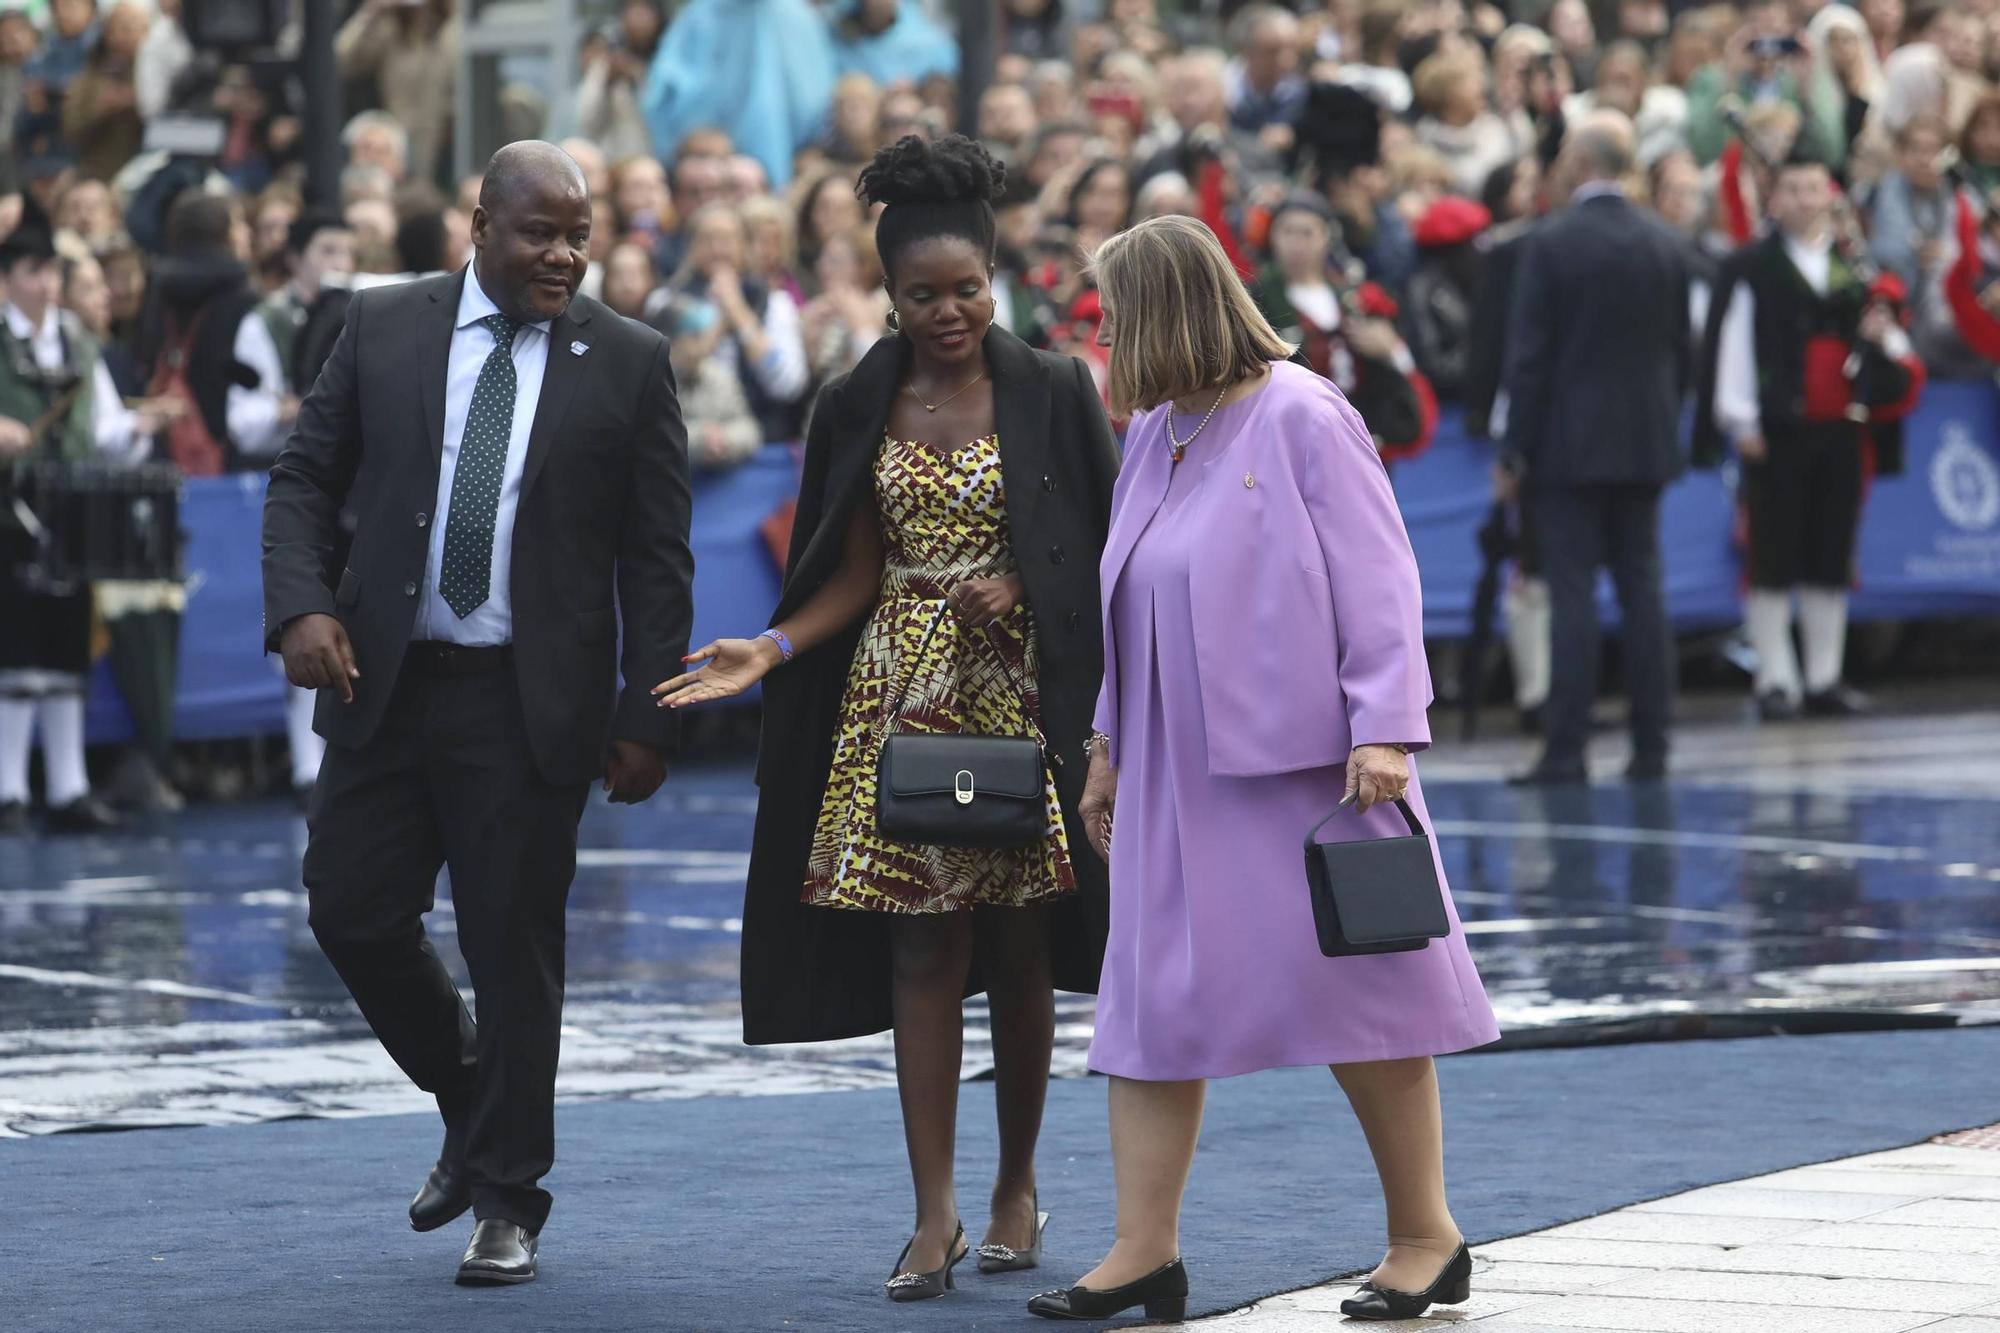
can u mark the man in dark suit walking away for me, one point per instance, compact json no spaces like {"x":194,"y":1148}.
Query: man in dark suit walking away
{"x":512,"y":453}
{"x":1598,"y":361}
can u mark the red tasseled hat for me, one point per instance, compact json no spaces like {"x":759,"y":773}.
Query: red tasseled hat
{"x":1451,"y":221}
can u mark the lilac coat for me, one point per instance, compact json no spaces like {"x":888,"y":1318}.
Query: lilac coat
{"x":1262,"y":619}
{"x":1306,"y":591}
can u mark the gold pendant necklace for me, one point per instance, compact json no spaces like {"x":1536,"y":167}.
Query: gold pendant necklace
{"x":932,"y":407}
{"x":1180,"y":446}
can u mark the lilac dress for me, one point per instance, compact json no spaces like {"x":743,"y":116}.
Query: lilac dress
{"x":1213,"y":967}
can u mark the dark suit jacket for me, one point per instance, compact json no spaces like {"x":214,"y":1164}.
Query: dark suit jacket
{"x":1486,"y":360}
{"x":604,"y":502}
{"x":813,"y":974}
{"x":1598,"y":356}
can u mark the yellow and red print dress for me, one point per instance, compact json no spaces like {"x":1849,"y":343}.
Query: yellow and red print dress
{"x":944,"y":520}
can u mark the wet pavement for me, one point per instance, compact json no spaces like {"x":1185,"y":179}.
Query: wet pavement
{"x":1819,"y":874}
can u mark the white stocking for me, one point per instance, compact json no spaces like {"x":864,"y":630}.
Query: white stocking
{"x":1823,"y":620}
{"x":307,"y":747}
{"x":1527,"y":606}
{"x":61,"y":716}
{"x":17,"y":732}
{"x":1767,"y":617}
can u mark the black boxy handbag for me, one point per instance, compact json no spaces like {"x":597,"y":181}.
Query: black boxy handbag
{"x":1375,"y":895}
{"x":957,"y":789}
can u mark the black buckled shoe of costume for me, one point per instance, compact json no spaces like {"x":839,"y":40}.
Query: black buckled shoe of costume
{"x":1452,"y":1287}
{"x":86,"y":814}
{"x":502,"y":1253}
{"x":1162,"y":1293}
{"x":1837,"y":700}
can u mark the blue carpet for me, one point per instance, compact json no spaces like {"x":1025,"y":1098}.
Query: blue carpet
{"x":785,"y":1212}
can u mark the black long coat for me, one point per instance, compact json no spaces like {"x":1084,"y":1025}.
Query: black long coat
{"x":815,"y":973}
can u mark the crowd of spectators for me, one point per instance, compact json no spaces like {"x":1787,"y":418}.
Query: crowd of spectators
{"x":1362,"y":160}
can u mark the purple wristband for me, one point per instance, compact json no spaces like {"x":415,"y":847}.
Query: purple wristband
{"x":777,"y":636}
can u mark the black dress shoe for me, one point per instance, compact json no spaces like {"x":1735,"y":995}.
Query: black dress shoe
{"x":86,"y":814}
{"x":501,"y":1254}
{"x":1837,"y":701}
{"x":13,"y":817}
{"x":445,"y":1196}
{"x":1777,"y":706}
{"x":1453,"y":1287}
{"x":1552,"y":775}
{"x":1163,"y":1292}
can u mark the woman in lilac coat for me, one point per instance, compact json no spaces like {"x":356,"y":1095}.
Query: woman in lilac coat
{"x":1263,"y":658}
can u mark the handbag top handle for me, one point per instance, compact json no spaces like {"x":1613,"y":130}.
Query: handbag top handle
{"x":1409,"y":817}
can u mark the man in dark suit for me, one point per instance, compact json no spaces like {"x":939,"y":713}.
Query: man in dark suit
{"x":1598,"y":360}
{"x":511,"y":453}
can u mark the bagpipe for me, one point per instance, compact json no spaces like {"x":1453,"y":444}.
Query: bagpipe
{"x":89,"y":522}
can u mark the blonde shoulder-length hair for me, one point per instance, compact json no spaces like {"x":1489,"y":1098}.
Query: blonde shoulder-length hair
{"x":1182,"y":321}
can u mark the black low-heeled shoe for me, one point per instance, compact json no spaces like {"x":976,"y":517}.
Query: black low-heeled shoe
{"x":903,"y":1286}
{"x":1452,"y":1287}
{"x":1007,"y":1259}
{"x":1163,"y":1292}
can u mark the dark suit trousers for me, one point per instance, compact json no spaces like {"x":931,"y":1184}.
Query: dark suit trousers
{"x":1583,"y":529}
{"x":448,"y":780}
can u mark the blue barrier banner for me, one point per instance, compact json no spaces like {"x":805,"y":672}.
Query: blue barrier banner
{"x":1930,"y":546}
{"x":229,"y":688}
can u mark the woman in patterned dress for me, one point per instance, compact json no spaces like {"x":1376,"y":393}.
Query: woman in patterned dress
{"x":942,"y":578}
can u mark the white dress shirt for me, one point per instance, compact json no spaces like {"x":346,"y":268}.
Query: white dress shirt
{"x":492,"y":622}
{"x":113,"y":424}
{"x":255,"y":415}
{"x":1737,"y":409}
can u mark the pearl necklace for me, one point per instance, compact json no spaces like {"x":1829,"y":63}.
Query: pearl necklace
{"x":1180,"y":446}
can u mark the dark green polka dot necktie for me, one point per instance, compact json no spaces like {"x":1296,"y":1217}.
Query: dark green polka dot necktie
{"x":475,"y":483}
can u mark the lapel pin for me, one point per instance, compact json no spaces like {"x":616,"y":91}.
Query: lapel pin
{"x":578,"y":348}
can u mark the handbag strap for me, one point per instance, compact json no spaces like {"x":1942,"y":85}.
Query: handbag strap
{"x":1409,"y":817}
{"x":893,"y":710}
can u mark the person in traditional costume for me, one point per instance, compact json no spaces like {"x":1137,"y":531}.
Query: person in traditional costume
{"x":1806,"y":373}
{"x":58,"y":404}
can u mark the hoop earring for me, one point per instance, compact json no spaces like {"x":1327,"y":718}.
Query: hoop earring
{"x":895,"y":321}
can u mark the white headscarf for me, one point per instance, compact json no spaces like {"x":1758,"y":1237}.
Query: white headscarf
{"x":1913,"y":84}
{"x":1826,"y":80}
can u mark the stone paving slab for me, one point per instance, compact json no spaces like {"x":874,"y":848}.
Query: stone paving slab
{"x":1746,"y":1201}
{"x":1891,"y":1242}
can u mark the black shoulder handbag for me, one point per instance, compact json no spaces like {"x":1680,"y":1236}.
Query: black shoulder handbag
{"x":959,"y":790}
{"x":1375,"y":895}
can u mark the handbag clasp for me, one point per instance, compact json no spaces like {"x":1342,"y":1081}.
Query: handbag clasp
{"x":961,"y":786}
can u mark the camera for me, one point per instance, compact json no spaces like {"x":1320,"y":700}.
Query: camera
{"x":1774,"y":48}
